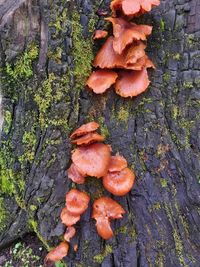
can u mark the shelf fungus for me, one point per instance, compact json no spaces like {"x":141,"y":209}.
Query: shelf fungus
{"x":57,"y":253}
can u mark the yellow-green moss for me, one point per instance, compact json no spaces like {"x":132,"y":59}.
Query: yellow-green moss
{"x":7,"y":121}
{"x":100,"y":257}
{"x":103,"y":127}
{"x":123,"y":114}
{"x":163,"y":182}
{"x":34,"y":225}
{"x":3,"y":215}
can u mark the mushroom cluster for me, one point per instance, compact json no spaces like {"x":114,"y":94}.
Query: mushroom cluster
{"x":122,"y":60}
{"x":93,"y":158}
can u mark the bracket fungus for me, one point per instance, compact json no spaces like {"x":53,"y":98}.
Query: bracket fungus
{"x":57,"y":253}
{"x":84,"y":129}
{"x":104,"y":210}
{"x":117,"y":163}
{"x":99,"y":34}
{"x":88,"y":138}
{"x":77,"y":201}
{"x":70,"y":233}
{"x":75,"y":175}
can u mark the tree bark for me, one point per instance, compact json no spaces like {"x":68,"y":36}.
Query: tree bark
{"x":45,"y":56}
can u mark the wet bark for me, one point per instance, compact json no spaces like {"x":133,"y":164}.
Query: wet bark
{"x":158,"y":132}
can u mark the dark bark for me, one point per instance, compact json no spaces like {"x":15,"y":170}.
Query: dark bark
{"x":158,"y":132}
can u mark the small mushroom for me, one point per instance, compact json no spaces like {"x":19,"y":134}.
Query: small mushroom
{"x":133,"y":7}
{"x":57,"y":253}
{"x":101,"y":80}
{"x":70,"y":233}
{"x":84,"y":129}
{"x":68,"y":218}
{"x":77,"y":202}
{"x":92,"y":160}
{"x":117,"y":163}
{"x":75,"y":175}
{"x":132,"y":83}
{"x":88,"y":139}
{"x":126,"y":32}
{"x":104,"y":210}
{"x":99,"y":34}
{"x":119,"y":183}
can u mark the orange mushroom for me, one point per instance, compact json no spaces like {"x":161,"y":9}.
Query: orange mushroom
{"x":88,"y":139}
{"x":133,"y":7}
{"x":119,"y":183}
{"x":132,"y":57}
{"x":117,"y":163}
{"x":99,"y":34}
{"x":104,"y":210}
{"x":84,"y":129}
{"x":101,"y":80}
{"x":126,"y":32}
{"x":132,"y":83}
{"x":70,"y":233}
{"x":75,"y":175}
{"x":68,"y":218}
{"x":77,"y":201}
{"x":92,"y":160}
{"x":57,"y":253}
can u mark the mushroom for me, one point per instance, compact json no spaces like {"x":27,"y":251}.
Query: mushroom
{"x":70,"y":233}
{"x":117,"y":163}
{"x":88,"y":139}
{"x":133,"y":7}
{"x":101,"y":80}
{"x":129,"y":59}
{"x":132,"y":83}
{"x":77,"y":202}
{"x":68,"y":218}
{"x":84,"y":129}
{"x":104,"y":210}
{"x":75,"y":175}
{"x":119,"y":183}
{"x":99,"y":34}
{"x":57,"y":253}
{"x":126,"y":32}
{"x":92,"y":160}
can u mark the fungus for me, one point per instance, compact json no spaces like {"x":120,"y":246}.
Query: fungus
{"x":74,"y":174}
{"x":92,"y":160}
{"x":126,"y":32}
{"x":99,"y":34}
{"x":75,"y":247}
{"x":84,"y":129}
{"x":57,"y":253}
{"x":132,"y":83}
{"x":101,"y":80}
{"x":77,"y":201}
{"x":119,"y":183}
{"x":104,"y":210}
{"x":88,"y":139}
{"x":133,"y":7}
{"x":70,"y":233}
{"x":117,"y":163}
{"x":67,"y":218}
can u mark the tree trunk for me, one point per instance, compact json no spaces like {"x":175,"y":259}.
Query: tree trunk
{"x":45,"y":55}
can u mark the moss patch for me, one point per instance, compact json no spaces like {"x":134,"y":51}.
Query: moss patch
{"x":100,"y":257}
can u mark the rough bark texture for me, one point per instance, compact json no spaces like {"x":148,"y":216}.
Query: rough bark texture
{"x":46,"y":52}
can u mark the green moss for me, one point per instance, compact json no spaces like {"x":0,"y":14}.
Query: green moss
{"x":163,"y":182}
{"x":166,"y":77}
{"x":3,"y":215}
{"x":82,"y":52}
{"x":100,"y":257}
{"x":162,"y":25}
{"x":175,"y":112}
{"x":29,"y":141}
{"x":103,"y":127}
{"x":160,"y":260}
{"x":34,"y":225}
{"x":123,"y":114}
{"x":7,"y":121}
{"x":22,"y":69}
{"x":33,"y":207}
{"x":188,"y":85}
{"x":179,"y":248}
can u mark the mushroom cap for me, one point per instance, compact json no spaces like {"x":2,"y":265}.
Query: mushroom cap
{"x":132,"y":83}
{"x":84,"y":129}
{"x":101,"y":80}
{"x":77,"y":202}
{"x":108,"y":58}
{"x":70,"y":233}
{"x":88,"y":139}
{"x":58,"y":253}
{"x":126,"y":32}
{"x":67,"y":218}
{"x":103,"y":228}
{"x":107,"y":207}
{"x":119,"y":183}
{"x":117,"y":163}
{"x":133,"y":7}
{"x":92,"y":160}
{"x":75,"y":175}
{"x":99,"y":34}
